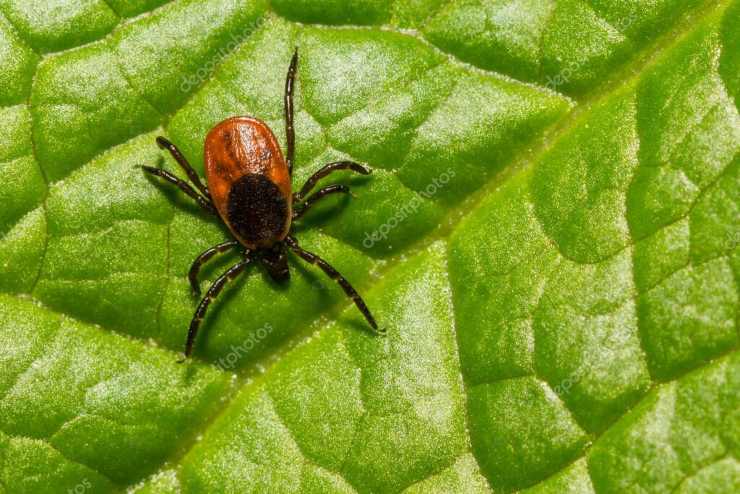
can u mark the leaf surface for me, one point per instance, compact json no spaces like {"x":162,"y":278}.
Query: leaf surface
{"x":549,"y":237}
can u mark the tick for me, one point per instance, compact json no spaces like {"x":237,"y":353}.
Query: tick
{"x":249,"y":188}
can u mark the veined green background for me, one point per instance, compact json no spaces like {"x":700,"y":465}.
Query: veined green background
{"x":561,"y":314}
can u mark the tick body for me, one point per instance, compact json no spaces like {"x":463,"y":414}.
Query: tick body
{"x":249,"y":189}
{"x":249,"y":181}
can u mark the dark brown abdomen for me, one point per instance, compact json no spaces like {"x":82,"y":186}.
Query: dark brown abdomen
{"x":249,"y":181}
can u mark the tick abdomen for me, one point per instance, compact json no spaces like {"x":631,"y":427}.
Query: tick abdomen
{"x":257,"y":210}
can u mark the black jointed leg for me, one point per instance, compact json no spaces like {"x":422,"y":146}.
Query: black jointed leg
{"x":212,"y":293}
{"x":335,"y":275}
{"x":165,"y":144}
{"x":326,"y":170}
{"x":288,"y":101}
{"x":315,"y":197}
{"x":183,"y":186}
{"x":203,"y":258}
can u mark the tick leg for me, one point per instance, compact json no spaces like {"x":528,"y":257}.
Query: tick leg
{"x":212,"y":293}
{"x":183,"y":186}
{"x":203,"y":258}
{"x":335,"y":275}
{"x":165,"y":144}
{"x":289,"y":130}
{"x":315,"y":197}
{"x":326,"y":170}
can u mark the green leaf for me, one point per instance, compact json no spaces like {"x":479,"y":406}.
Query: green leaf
{"x":549,"y":237}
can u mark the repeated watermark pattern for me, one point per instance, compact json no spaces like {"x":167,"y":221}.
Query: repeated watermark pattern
{"x":403,"y":212}
{"x":80,"y":488}
{"x":204,"y":72}
{"x":566,"y":73}
{"x":563,"y":387}
{"x":731,"y":241}
{"x":236,"y":352}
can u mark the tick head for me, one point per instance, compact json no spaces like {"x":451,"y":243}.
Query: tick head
{"x":276,"y":262}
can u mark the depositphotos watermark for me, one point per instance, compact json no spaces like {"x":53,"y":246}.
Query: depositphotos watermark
{"x":563,"y":387}
{"x":731,"y":241}
{"x":80,"y":488}
{"x":566,"y":73}
{"x":404,"y":211}
{"x":195,"y":79}
{"x":235,"y":354}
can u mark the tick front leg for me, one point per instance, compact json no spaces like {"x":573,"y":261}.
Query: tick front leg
{"x":192,"y":175}
{"x":314,"y":198}
{"x":328,"y":169}
{"x":288,"y":100}
{"x":205,"y":257}
{"x":212,"y":293}
{"x":183,"y":186}
{"x":336,"y":276}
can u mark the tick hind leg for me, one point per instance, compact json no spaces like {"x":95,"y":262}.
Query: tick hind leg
{"x":212,"y":293}
{"x":183,"y":186}
{"x":335,"y":275}
{"x":205,"y":257}
{"x":326,"y":170}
